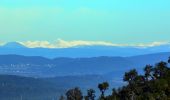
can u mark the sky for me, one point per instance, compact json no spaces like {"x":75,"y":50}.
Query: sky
{"x":108,"y":21}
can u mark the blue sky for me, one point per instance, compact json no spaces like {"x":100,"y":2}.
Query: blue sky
{"x":116,"y":21}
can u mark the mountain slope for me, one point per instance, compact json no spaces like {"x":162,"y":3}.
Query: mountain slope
{"x":13,"y":45}
{"x":25,"y":88}
{"x":43,"y":67}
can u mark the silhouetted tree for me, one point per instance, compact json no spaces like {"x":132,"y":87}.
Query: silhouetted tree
{"x":130,"y":76}
{"x":169,"y":60}
{"x":74,"y":94}
{"x":62,"y":97}
{"x":90,"y":95}
{"x":148,"y":69}
{"x":103,"y":87}
{"x":160,"y":69}
{"x":113,"y":96}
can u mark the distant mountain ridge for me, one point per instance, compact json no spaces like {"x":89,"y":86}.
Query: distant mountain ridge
{"x":13,"y":45}
{"x":52,"y":77}
{"x":82,"y":51}
{"x":37,"y":66}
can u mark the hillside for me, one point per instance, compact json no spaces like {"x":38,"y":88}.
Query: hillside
{"x":16,"y":87}
{"x":36,"y":66}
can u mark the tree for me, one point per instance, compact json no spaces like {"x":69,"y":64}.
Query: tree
{"x":74,"y":94}
{"x":114,"y":95}
{"x":133,"y":79}
{"x":153,"y":85}
{"x":148,"y":69}
{"x":169,"y":60}
{"x":160,"y":69}
{"x":103,"y":87}
{"x":90,"y":94}
{"x":62,"y":97}
{"x":130,"y":76}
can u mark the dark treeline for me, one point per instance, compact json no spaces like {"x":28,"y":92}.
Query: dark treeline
{"x":153,"y":85}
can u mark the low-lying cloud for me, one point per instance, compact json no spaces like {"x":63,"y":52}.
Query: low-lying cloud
{"x":60,"y":43}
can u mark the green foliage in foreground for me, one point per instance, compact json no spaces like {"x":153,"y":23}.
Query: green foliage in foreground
{"x":153,"y":85}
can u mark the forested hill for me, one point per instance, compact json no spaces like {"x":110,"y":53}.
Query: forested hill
{"x":25,"y":88}
{"x":36,"y":66}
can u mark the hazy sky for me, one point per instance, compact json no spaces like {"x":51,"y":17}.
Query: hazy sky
{"x":116,"y":21}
